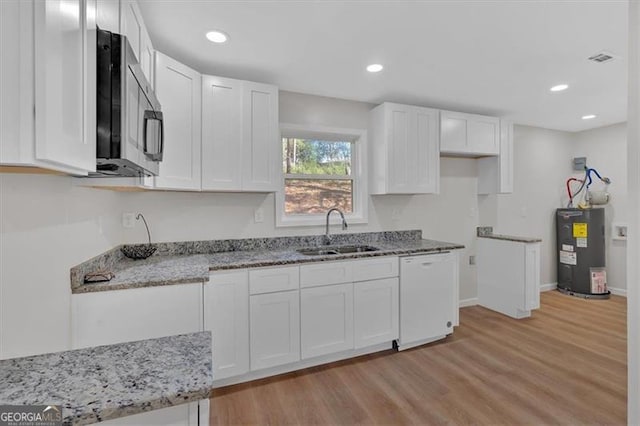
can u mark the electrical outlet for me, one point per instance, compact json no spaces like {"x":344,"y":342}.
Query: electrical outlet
{"x":128,"y":220}
{"x":472,"y":260}
{"x":523,"y":211}
{"x":395,"y":214}
{"x":258,"y":215}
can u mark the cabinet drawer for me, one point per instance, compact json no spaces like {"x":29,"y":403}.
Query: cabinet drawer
{"x":270,"y":280}
{"x":375,"y":268}
{"x":326,"y":273}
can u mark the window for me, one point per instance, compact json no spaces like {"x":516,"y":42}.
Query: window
{"x":322,"y":168}
{"x":317,"y":175}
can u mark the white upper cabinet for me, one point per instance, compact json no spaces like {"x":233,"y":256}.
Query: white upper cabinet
{"x":108,"y":15}
{"x":469,"y":134}
{"x":260,"y":137}
{"x":240,"y":135}
{"x":221,"y":133}
{"x":132,"y":26}
{"x":495,"y":174}
{"x":405,"y":152}
{"x":179,"y":90}
{"x":48,"y":64}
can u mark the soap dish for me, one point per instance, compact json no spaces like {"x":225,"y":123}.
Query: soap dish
{"x":98,"y":277}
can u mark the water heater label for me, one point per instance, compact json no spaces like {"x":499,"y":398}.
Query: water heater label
{"x":580,"y":230}
{"x":567,"y":247}
{"x":568,"y":257}
{"x":581,"y":242}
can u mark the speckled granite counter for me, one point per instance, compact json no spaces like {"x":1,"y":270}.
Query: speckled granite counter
{"x":187,"y":262}
{"x":511,"y":238}
{"x":108,"y":382}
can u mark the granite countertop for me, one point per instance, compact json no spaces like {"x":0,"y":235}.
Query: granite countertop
{"x":511,"y":238}
{"x":171,"y":268}
{"x":107,"y":382}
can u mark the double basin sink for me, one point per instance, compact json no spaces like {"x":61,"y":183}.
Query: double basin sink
{"x":335,"y":250}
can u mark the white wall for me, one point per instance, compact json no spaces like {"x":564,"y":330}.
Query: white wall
{"x":605,"y":149}
{"x":46,"y":227}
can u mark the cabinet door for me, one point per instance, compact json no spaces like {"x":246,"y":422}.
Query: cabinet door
{"x":426,"y":153}
{"x":275,"y":329}
{"x":484,"y":135}
{"x":221,"y":134}
{"x":260,"y":137}
{"x":179,"y":91}
{"x":177,"y":415}
{"x":132,"y":25}
{"x":401,"y":169}
{"x":16,"y":82}
{"x":376,"y":312}
{"x":427,"y":291}
{"x":326,"y":315}
{"x":453,"y":132}
{"x":495,"y":174}
{"x":147,"y":58}
{"x":108,"y":15}
{"x":226,"y":315}
{"x":65,"y":40}
{"x":108,"y":317}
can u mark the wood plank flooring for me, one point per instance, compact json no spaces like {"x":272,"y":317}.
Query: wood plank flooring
{"x":564,"y":365}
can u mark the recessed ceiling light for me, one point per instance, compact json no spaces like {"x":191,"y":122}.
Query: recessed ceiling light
{"x":588,"y":117}
{"x":374,"y":68}
{"x":559,"y":88}
{"x":217,"y":36}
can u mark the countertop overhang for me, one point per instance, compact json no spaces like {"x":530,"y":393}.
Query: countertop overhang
{"x":107,"y":382}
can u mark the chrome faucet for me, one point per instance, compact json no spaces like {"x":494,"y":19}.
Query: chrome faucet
{"x":327,"y":237}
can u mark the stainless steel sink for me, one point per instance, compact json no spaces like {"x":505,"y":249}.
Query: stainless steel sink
{"x":323,"y":251}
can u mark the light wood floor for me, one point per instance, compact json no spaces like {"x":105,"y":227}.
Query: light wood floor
{"x":564,"y":365}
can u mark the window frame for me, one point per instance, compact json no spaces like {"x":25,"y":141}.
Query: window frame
{"x":359,"y":157}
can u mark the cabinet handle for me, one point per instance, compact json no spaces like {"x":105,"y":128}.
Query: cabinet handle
{"x":427,"y":264}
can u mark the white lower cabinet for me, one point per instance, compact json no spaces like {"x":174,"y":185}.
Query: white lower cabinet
{"x":326,"y":319}
{"x":226,"y":301}
{"x":376,"y":311}
{"x":179,"y":415}
{"x":509,"y":276}
{"x":275,"y":329}
{"x":142,"y":313}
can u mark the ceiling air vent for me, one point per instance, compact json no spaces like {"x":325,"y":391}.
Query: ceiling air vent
{"x":602,"y":57}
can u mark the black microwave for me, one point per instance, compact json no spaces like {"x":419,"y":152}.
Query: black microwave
{"x":130,"y":126}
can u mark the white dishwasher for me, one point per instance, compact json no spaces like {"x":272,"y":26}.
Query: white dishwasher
{"x":428,"y":298}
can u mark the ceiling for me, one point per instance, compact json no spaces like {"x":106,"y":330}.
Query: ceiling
{"x":489,"y":57}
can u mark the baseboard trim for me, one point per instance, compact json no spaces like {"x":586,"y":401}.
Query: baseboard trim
{"x":548,"y":287}
{"x":468,"y":302}
{"x":618,"y":291}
